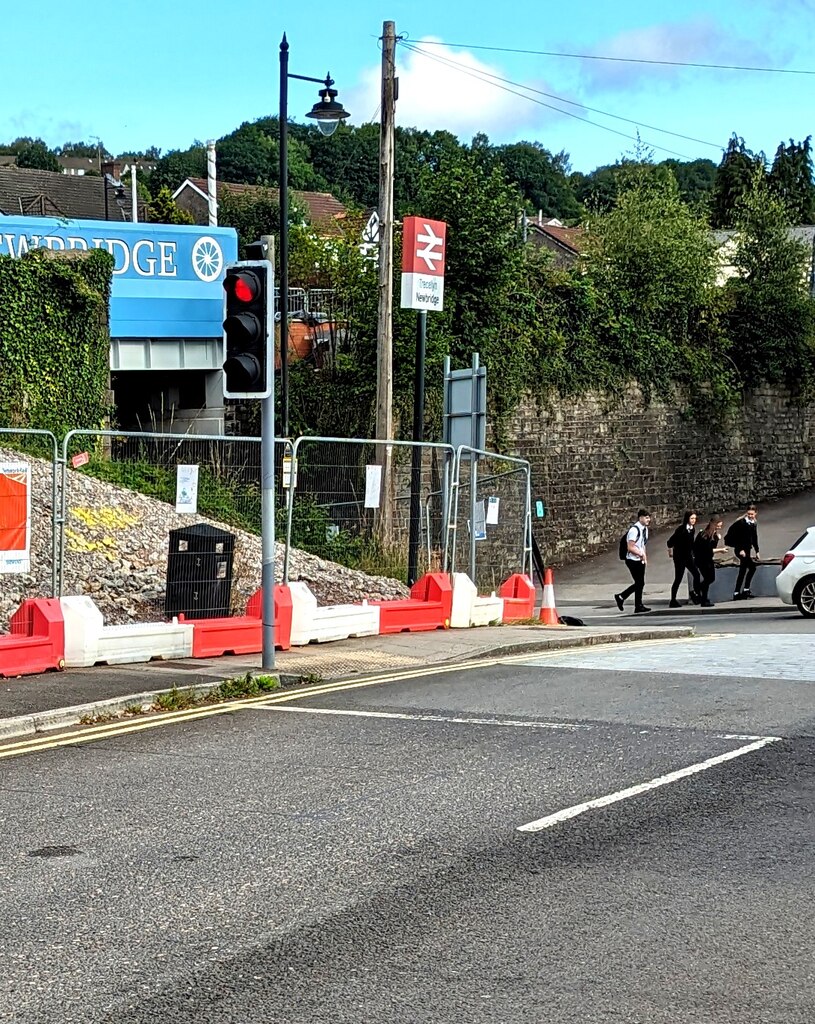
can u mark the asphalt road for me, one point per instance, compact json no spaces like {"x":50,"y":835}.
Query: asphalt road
{"x":357,"y":856}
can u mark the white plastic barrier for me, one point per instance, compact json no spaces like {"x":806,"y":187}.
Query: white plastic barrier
{"x":333,"y":622}
{"x":471,"y":610}
{"x":88,"y":641}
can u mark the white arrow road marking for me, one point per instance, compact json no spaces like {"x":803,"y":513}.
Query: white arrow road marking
{"x":432,"y":242}
{"x":643,"y":787}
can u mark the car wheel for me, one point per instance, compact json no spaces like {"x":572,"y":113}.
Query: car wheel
{"x":805,"y":597}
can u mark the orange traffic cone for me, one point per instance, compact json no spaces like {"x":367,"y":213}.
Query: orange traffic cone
{"x":549,"y":615}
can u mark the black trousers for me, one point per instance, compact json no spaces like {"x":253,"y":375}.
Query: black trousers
{"x":747,"y":570}
{"x":680,"y":566}
{"x":637,"y":570}
{"x":708,"y":575}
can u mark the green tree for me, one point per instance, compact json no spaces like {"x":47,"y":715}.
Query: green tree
{"x":791,"y":179}
{"x":176,"y":166}
{"x":695,"y":178}
{"x":770,"y":317}
{"x":541,"y":177}
{"x":37,"y":155}
{"x":163,"y":209}
{"x":251,"y":213}
{"x":484,"y":269}
{"x":734,"y":178}
{"x":651,"y":260}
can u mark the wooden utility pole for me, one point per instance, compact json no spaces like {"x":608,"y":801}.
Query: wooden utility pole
{"x":384,"y":327}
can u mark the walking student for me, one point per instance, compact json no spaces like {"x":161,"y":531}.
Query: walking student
{"x":636,"y":560}
{"x":742,"y":536}
{"x":680,"y":549}
{"x":704,"y":545}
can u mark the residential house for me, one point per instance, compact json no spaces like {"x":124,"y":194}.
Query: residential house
{"x":78,"y":165}
{"x":76,"y":197}
{"x":325,"y":212}
{"x":551,"y":234}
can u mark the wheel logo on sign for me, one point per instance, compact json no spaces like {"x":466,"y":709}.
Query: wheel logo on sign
{"x":207,"y":259}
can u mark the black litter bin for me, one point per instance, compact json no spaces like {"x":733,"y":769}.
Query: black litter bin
{"x":199,"y":572}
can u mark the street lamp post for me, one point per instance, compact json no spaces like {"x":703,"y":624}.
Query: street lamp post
{"x":328,"y":113}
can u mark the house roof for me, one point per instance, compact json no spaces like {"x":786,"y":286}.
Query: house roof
{"x":800,"y":232}
{"x":568,"y":238}
{"x":322,"y":207}
{"x":50,"y":193}
{"x":79,"y":163}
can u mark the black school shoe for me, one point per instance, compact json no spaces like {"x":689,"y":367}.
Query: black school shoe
{"x":746,"y":595}
{"x":695,"y":597}
{"x":619,"y":601}
{"x":674,"y":604}
{"x":642,"y":608}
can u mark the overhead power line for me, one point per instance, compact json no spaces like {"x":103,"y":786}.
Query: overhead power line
{"x":625,"y":60}
{"x":480,"y":76}
{"x":562,"y":99}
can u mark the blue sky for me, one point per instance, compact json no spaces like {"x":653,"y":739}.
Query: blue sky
{"x":153,"y":73}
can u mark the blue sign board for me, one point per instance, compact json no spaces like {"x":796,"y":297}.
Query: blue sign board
{"x":167,"y":278}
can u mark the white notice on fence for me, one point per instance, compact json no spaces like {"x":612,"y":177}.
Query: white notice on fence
{"x":493,"y":504}
{"x":480,"y":523}
{"x":186,"y":489}
{"x":373,"y":486}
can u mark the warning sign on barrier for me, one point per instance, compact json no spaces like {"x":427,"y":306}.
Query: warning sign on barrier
{"x":15,"y":517}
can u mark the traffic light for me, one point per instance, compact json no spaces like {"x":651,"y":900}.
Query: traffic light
{"x":248,"y":329}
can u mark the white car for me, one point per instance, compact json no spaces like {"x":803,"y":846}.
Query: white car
{"x":796,"y":581}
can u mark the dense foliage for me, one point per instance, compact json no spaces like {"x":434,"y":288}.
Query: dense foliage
{"x":54,"y":340}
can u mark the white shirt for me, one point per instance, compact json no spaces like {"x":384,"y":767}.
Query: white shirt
{"x":638,"y":534}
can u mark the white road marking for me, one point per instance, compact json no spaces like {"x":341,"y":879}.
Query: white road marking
{"x":643,"y":787}
{"x":401,"y":716}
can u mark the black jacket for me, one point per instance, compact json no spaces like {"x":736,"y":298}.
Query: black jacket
{"x":703,"y":548}
{"x":681,"y":542}
{"x":742,"y":536}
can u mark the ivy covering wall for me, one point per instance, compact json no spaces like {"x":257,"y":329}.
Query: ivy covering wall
{"x":55,"y":340}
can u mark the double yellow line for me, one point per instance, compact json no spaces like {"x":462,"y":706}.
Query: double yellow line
{"x":122,"y":727}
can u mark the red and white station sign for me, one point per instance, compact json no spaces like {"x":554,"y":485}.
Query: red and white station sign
{"x":424,"y":245}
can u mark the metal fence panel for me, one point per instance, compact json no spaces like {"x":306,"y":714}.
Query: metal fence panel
{"x":120,"y":517}
{"x":38,"y":450}
{"x":329,"y":515}
{"x":490,"y":522}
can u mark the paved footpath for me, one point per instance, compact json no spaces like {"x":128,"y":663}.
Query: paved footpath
{"x":57,"y":699}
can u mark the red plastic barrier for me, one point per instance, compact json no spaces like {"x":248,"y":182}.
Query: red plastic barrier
{"x":518,"y":593}
{"x":428,"y":607}
{"x":282,"y":613}
{"x":242,"y":634}
{"x":37,"y":639}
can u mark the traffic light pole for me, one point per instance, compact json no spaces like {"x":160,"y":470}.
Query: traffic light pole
{"x":267,"y":540}
{"x":267,"y":509}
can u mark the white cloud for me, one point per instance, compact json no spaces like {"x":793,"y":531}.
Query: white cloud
{"x":462,"y":100}
{"x":700,"y":40}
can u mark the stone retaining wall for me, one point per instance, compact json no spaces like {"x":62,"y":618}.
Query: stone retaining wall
{"x":597,"y":458}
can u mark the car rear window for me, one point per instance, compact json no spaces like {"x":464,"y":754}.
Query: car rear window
{"x":802,"y":537}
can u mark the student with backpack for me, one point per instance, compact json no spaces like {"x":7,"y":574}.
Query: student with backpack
{"x":680,"y":549}
{"x":633,"y":553}
{"x":742,"y":536}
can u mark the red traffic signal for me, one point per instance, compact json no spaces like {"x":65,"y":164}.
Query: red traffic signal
{"x":243,"y":286}
{"x":248,"y":320}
